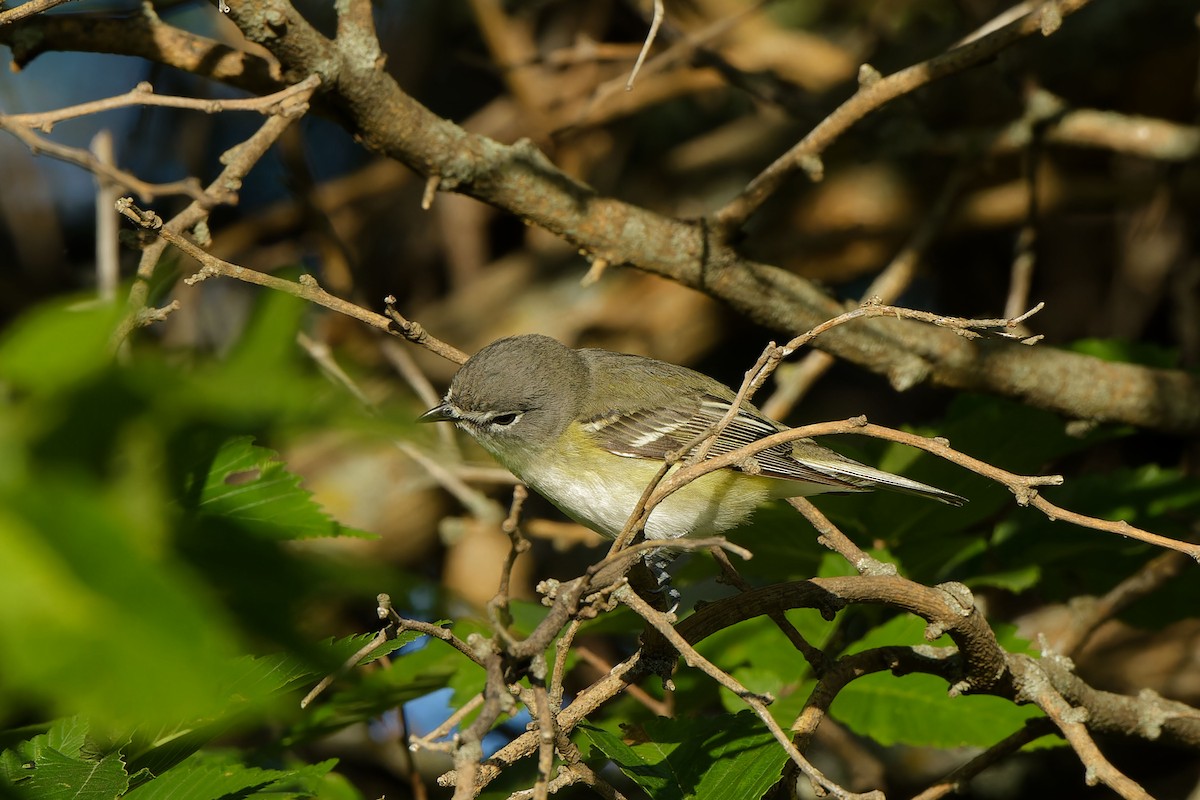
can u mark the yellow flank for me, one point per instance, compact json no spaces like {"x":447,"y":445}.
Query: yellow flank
{"x":600,"y":490}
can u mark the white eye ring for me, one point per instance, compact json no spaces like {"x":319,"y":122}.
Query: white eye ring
{"x":505,"y":420}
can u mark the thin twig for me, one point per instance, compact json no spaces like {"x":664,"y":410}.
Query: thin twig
{"x":497,"y":607}
{"x":430,"y":740}
{"x":238,"y":161}
{"x":402,"y":361}
{"x":143,"y":95}
{"x":676,"y":53}
{"x":1038,"y":109}
{"x":891,"y":282}
{"x":1090,"y":613}
{"x":416,"y":333}
{"x":80,"y":157}
{"x":813,"y":655}
{"x":646,"y":45}
{"x":323,"y":356}
{"x":108,"y":256}
{"x":347,"y":665}
{"x":544,"y":715}
{"x":652,"y":704}
{"x":956,"y":781}
{"x":28,"y":10}
{"x":756,"y":703}
{"x":1072,"y":723}
{"x":874,"y":92}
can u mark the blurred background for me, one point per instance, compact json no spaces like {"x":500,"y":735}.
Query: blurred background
{"x":1063,"y":171}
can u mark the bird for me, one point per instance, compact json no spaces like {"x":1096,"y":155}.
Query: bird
{"x":588,"y":429}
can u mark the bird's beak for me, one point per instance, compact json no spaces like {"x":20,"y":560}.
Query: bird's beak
{"x":439,"y":413}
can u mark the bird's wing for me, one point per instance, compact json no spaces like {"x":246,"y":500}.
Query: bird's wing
{"x":655,"y":432}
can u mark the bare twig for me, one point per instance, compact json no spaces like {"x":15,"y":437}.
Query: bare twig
{"x":1072,"y":722}
{"x":1090,"y":613}
{"x":956,"y":781}
{"x":544,"y":715}
{"x":28,"y":10}
{"x":143,"y":95}
{"x":588,"y":113}
{"x":874,"y":92}
{"x":756,"y":703}
{"x":415,"y":333}
{"x":813,"y":655}
{"x":478,"y":504}
{"x":306,"y":288}
{"x":1023,"y":487}
{"x":498,"y":611}
{"x":238,"y":161}
{"x":646,"y":45}
{"x":891,"y":282}
{"x":40,"y":145}
{"x":403,"y":362}
{"x":108,"y":260}
{"x":435,"y":631}
{"x":1119,"y":527}
{"x":1038,"y":109}
{"x":828,"y":535}
{"x":323,"y":356}
{"x":349,"y":664}
{"x":430,"y":740}
{"x":562,"y":649}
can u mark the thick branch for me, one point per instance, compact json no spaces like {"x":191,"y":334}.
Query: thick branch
{"x":520,"y":179}
{"x":1147,"y":716}
{"x":144,"y":35}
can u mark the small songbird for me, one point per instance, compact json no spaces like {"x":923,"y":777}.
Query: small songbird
{"x":588,"y":430}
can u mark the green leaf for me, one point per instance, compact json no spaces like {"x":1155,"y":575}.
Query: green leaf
{"x":1015,"y":580}
{"x":57,"y":345}
{"x":685,"y":759}
{"x":917,"y":709}
{"x":758,"y":654}
{"x":1146,"y":353}
{"x":53,"y":775}
{"x":783,"y":544}
{"x":208,"y":777}
{"x":936,"y":542}
{"x":253,"y":486}
{"x":86,"y":603}
{"x":1075,"y":560}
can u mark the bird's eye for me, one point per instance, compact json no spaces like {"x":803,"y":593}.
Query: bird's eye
{"x":504,"y":420}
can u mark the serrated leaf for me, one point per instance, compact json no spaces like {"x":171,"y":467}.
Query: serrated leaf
{"x":200,"y":779}
{"x":56,"y":776}
{"x":253,"y":486}
{"x":690,"y":759}
{"x":646,"y":764}
{"x":260,"y":676}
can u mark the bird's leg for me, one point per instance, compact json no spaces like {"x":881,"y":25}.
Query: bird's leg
{"x":661,"y":594}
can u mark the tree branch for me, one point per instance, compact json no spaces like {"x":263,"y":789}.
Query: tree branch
{"x":144,"y":35}
{"x":520,"y":179}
